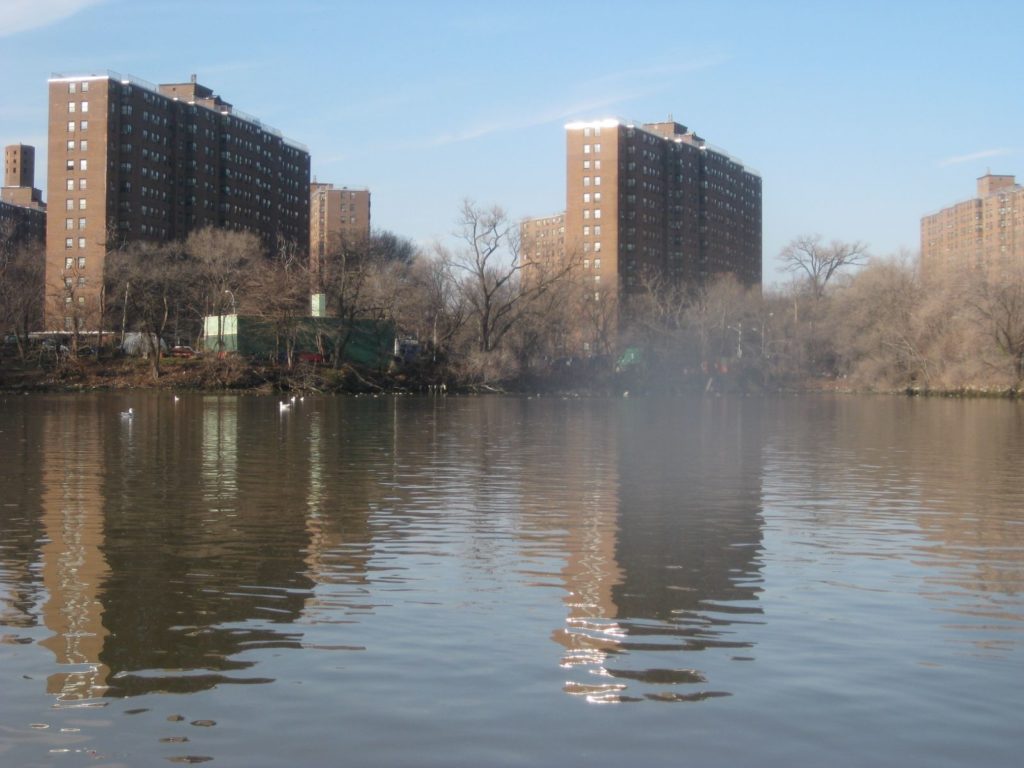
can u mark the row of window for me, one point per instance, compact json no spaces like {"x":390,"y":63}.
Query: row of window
{"x":82,"y":126}
{"x":75,"y":87}
{"x":78,"y":106}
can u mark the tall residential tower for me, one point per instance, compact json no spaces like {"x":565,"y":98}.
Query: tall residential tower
{"x":129,"y":160}
{"x":653,"y":199}
{"x":985,"y":232}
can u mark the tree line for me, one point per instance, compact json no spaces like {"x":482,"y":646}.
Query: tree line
{"x":486,"y":315}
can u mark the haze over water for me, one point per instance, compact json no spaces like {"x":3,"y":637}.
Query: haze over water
{"x":491,"y":581}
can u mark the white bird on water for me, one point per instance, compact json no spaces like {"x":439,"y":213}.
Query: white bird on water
{"x":127,"y":414}
{"x":283,"y":406}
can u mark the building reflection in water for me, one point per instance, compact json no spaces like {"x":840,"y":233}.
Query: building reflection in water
{"x":173,"y":548}
{"x":74,"y":566}
{"x":664,"y":560}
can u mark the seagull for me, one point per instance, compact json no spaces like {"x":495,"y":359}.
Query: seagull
{"x":283,"y":406}
{"x":127,"y":414}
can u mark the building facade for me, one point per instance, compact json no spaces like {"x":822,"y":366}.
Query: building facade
{"x":22,"y":211}
{"x":985,"y":232}
{"x":337,"y":217}
{"x":131,"y":161}
{"x":654,"y":200}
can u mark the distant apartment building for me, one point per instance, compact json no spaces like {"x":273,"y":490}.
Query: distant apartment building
{"x":653,"y":199}
{"x":543,"y":240}
{"x":129,"y":160}
{"x":985,"y":232}
{"x":338,"y":218}
{"x":22,"y":211}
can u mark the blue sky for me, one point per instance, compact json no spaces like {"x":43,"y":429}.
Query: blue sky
{"x":860,"y":116}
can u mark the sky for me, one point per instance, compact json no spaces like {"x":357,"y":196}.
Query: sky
{"x":860,"y":116}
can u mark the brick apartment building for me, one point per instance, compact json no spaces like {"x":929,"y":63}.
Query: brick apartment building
{"x":337,"y":217}
{"x":985,"y":232}
{"x":136,"y":161}
{"x":22,"y":211}
{"x":652,"y":198}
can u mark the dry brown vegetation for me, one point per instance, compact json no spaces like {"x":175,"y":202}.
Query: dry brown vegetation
{"x":486,"y":320}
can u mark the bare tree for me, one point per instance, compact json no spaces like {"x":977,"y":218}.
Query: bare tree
{"x":223,"y":264}
{"x":487,"y":271}
{"x":21,"y":286}
{"x":156,"y":275}
{"x":818,"y":262}
{"x":998,"y":303}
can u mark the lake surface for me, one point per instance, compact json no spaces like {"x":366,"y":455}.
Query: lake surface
{"x":510,"y":582}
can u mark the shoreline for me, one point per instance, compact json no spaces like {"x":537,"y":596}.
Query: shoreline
{"x":242,"y":377}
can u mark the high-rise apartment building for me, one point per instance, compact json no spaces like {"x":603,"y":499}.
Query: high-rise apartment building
{"x":654,"y":200}
{"x":985,"y":232}
{"x":129,"y":160}
{"x":22,"y":211}
{"x":337,"y":218}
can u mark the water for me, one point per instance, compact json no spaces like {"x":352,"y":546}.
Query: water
{"x":505,"y":582}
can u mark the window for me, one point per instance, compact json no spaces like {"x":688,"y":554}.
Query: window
{"x":71,"y":126}
{"x":597,"y":278}
{"x":586,"y":231}
{"x":71,"y":144}
{"x":81,"y":262}
{"x":69,"y":223}
{"x":83,"y":145}
{"x":597,"y":181}
{"x":85,"y":106}
{"x":586,"y":263}
{"x":597,"y":197}
{"x":597,"y":246}
{"x":68,"y":282}
{"x":84,"y":125}
{"x":586,"y":148}
{"x":597,"y":213}
{"x":81,"y":223}
{"x":71,"y":185}
{"x":82,"y":183}
{"x":71,"y":106}
{"x":69,"y":243}
{"x":81,"y":203}
{"x":85,"y":87}
{"x":586,"y":163}
{"x":69,"y":262}
{"x":81,"y":280}
{"x":70,"y":165}
{"x":71,"y":87}
{"x":586,"y":197}
{"x":586,"y":179}
{"x":586,"y":213}
{"x":83,"y":164}
{"x":597,"y":165}
{"x":70,"y":204}
{"x":597,"y":230}
{"x":597,"y":263}
{"x":597,"y":147}
{"x":81,"y":242}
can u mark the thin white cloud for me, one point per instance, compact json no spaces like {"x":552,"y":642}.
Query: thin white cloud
{"x":23,"y":15}
{"x":983,"y":154}
{"x":615,"y":89}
